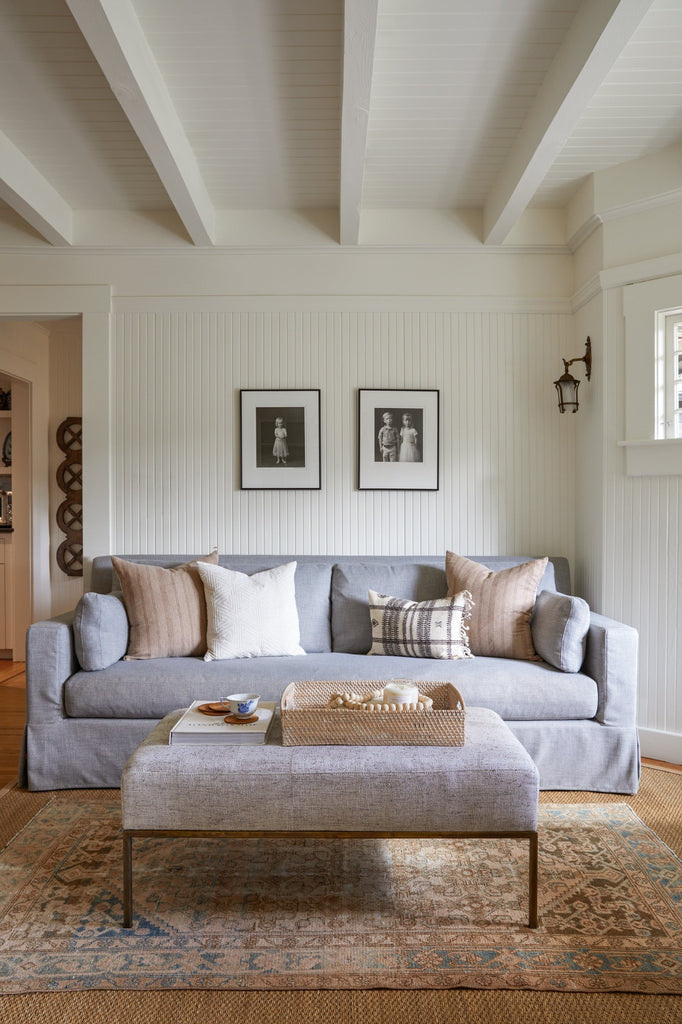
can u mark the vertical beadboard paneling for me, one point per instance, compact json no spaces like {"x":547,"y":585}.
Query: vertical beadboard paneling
{"x":506,"y":456}
{"x":644,"y":588}
{"x":638,"y":560}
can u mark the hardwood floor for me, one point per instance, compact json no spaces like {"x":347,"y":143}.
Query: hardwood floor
{"x":13,"y":716}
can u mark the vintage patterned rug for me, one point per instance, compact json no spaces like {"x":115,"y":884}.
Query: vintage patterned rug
{"x":362,"y":914}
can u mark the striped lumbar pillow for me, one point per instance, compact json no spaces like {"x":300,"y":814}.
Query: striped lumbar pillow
{"x":166,"y":609}
{"x":504,"y":600}
{"x":420,"y":629}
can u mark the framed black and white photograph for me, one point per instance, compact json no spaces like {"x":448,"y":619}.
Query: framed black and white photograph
{"x":398,"y":440}
{"x":280,"y":440}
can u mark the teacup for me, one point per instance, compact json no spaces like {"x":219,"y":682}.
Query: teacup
{"x":242,"y":705}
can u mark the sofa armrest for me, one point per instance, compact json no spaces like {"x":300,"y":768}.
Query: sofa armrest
{"x":611,"y":660}
{"x":50,"y":660}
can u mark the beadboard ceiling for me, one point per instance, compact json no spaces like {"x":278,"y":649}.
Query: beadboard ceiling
{"x":196,"y":113}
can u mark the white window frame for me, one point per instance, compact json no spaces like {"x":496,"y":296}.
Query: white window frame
{"x":669,"y":374}
{"x":648,"y":452}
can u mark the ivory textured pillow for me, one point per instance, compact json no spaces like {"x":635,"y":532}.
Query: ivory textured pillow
{"x":504,"y":600}
{"x":420,"y":629}
{"x":166,"y":609}
{"x":250,"y":616}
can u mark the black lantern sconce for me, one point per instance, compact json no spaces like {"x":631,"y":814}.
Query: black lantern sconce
{"x":567,"y":386}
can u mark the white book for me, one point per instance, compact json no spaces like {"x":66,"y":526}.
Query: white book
{"x":194,"y":727}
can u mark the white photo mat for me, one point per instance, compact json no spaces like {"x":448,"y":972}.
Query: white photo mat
{"x":416,"y":410}
{"x":270,"y":460}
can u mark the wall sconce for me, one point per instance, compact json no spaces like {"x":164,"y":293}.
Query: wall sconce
{"x":567,"y":386}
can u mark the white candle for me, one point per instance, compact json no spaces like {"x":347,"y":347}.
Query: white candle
{"x":401,"y":692}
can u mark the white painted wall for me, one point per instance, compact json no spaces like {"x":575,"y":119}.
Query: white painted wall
{"x":506,"y":456}
{"x":487,"y":328}
{"x":629,"y":537}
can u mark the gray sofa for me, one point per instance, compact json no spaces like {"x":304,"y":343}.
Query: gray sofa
{"x":578,"y":726}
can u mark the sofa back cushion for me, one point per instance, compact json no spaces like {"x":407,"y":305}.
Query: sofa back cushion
{"x":412,"y":577}
{"x":312,"y":583}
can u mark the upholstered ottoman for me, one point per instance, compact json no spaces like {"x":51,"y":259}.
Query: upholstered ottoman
{"x":487,"y":788}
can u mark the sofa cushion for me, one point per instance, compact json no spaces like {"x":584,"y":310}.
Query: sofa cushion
{"x":503,"y":604}
{"x":166,"y":608}
{"x":518,"y":690}
{"x":412,"y":580}
{"x":420,"y":629}
{"x":100,"y":630}
{"x":559,"y":626}
{"x":250,"y":616}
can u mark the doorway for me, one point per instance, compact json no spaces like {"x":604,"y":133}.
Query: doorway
{"x":40,"y":364}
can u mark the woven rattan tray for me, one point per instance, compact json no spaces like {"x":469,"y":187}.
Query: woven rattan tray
{"x":307,"y":721}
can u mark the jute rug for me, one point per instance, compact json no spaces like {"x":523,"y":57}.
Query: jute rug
{"x":324,"y":915}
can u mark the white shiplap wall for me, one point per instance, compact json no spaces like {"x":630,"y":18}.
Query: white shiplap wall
{"x":643,"y":586}
{"x":507,"y":458}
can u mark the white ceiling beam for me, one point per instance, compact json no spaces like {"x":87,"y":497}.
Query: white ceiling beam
{"x":114,"y":34}
{"x":360,"y":23}
{"x":25,"y":189}
{"x":595,"y":39}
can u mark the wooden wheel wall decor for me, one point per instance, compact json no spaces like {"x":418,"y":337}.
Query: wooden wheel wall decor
{"x":70,"y":511}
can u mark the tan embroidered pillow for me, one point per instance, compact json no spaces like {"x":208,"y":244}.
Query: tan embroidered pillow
{"x":503,"y":604}
{"x":166,"y":609}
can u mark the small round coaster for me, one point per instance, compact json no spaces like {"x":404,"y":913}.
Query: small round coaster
{"x":212,"y":709}
{"x":233,"y":720}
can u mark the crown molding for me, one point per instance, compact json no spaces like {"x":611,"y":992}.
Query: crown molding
{"x":641,"y":205}
{"x":219,"y":251}
{"x":586,"y":293}
{"x":338,"y":304}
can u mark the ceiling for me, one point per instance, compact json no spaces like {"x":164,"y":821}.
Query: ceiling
{"x":195,"y":113}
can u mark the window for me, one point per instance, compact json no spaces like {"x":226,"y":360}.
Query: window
{"x":669,"y":374}
{"x":653,"y":378}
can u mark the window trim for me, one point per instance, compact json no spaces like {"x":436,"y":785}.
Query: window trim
{"x":643,"y":303}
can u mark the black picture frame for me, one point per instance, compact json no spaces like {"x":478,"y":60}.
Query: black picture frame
{"x":398,"y":439}
{"x":271,"y":460}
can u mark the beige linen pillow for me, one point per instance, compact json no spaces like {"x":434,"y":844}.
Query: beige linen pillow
{"x":420,"y":629}
{"x":503,"y":604}
{"x":166,"y":609}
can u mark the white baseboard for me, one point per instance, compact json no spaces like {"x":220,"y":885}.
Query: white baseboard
{"x":661,"y":746}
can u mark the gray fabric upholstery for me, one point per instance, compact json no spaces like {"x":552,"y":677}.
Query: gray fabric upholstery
{"x":489,"y":784}
{"x":514,"y":689}
{"x":606,"y":759}
{"x":100,"y":630}
{"x":579,"y":727}
{"x":559,"y":627}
